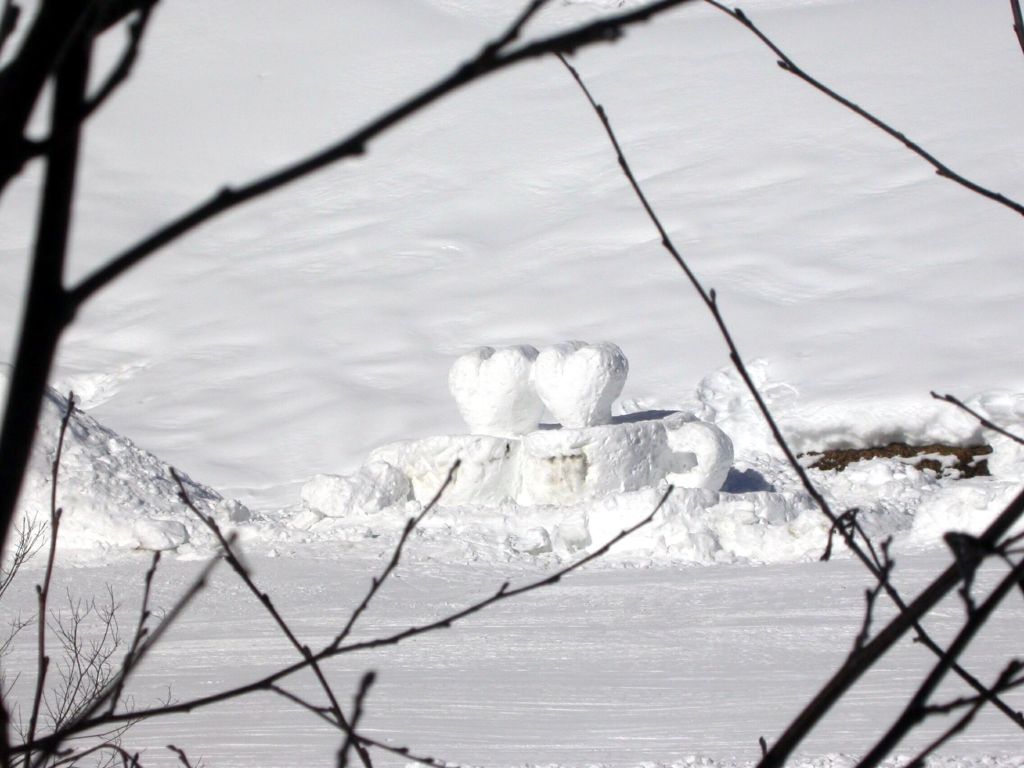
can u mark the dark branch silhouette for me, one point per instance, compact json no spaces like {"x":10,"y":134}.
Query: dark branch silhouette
{"x":269,"y":682}
{"x":1018,"y":22}
{"x":51,"y":308}
{"x":492,"y":58}
{"x":788,"y":65}
{"x":1006,"y":682}
{"x":981,"y":419}
{"x":9,"y":15}
{"x":43,"y":590}
{"x":916,"y":709}
{"x":846,"y":525}
{"x":396,"y":556}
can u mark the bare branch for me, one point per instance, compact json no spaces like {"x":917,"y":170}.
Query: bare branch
{"x":492,"y":59}
{"x":266,"y":683}
{"x":871,"y":598}
{"x":182,"y":757}
{"x":909,"y":615}
{"x":351,"y":740}
{"x":324,"y":713}
{"x":140,"y":630}
{"x":512,"y":34}
{"x":788,"y":65}
{"x":123,"y":68}
{"x":396,"y":556}
{"x":43,"y":591}
{"x":1018,"y":22}
{"x":8,"y":21}
{"x":916,"y":709}
{"x":981,"y":419}
{"x":127,"y":758}
{"x":88,"y":718}
{"x":404,"y":752}
{"x":30,"y":540}
{"x":243,"y":573}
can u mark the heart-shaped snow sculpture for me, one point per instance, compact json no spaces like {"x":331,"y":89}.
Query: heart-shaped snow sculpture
{"x":578,"y":382}
{"x":494,"y":391}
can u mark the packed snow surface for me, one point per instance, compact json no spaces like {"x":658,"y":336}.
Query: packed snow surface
{"x":293,"y":355}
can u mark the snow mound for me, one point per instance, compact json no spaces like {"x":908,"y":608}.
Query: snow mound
{"x":113,"y":495}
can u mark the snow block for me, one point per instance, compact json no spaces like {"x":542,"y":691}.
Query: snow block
{"x":376,"y":486}
{"x":710,"y":447}
{"x":486,"y":475}
{"x":565,"y":466}
{"x":578,"y":382}
{"x":494,"y":392}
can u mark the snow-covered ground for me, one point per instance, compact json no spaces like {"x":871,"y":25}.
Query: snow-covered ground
{"x":294,"y":336}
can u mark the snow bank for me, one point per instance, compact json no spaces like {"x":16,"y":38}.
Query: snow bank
{"x":113,"y":495}
{"x":549,"y":494}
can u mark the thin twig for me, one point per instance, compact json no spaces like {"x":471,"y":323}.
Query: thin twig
{"x":140,"y":629}
{"x":396,"y":556}
{"x":182,"y":757}
{"x":847,"y":528}
{"x":89,"y":718}
{"x":43,"y":591}
{"x":1007,"y":682}
{"x":788,"y":65}
{"x":871,"y":599}
{"x":981,"y":419}
{"x":324,"y":713}
{"x":243,"y":573}
{"x":1018,"y":22}
{"x":405,"y":753}
{"x":31,"y":534}
{"x":351,"y":740}
{"x":8,"y":21}
{"x":265,"y":683}
{"x":606,"y":29}
{"x":916,"y":708}
{"x":123,"y":68}
{"x":127,"y":758}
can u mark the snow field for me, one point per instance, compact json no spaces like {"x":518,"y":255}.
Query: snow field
{"x":295,"y":337}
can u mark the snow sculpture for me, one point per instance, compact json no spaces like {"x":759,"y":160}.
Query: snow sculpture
{"x":486,"y":476}
{"x":564,"y":466}
{"x":502,"y":394}
{"x":578,"y":382}
{"x":494,"y":392}
{"x":709,"y":446}
{"x":376,"y":486}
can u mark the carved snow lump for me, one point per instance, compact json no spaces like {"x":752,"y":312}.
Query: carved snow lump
{"x":585,"y":454}
{"x":494,"y":391}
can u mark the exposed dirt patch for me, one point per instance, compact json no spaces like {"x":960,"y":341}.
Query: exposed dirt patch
{"x":945,"y":460}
